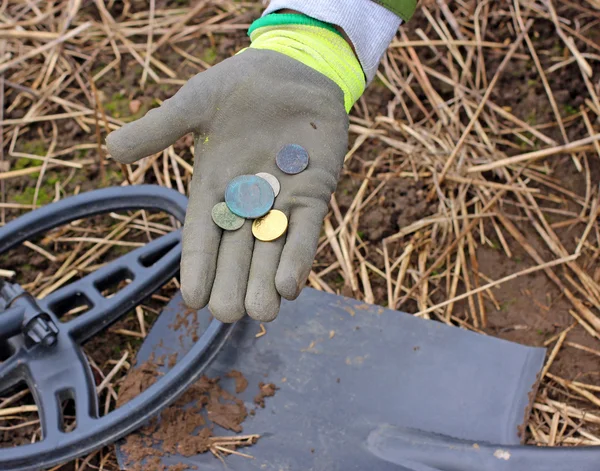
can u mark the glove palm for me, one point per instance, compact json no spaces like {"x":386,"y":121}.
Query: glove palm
{"x":241,"y":113}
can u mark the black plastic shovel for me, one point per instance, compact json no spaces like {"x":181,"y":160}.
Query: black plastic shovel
{"x":366,"y":388}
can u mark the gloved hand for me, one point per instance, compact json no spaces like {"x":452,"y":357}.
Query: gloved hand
{"x":242,"y":112}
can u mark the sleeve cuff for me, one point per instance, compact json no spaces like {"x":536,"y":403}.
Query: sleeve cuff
{"x":370,"y":26}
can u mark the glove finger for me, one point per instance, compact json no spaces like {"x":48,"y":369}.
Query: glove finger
{"x":184,"y":112}
{"x":233,"y":265}
{"x":262,"y":299}
{"x":300,"y":248}
{"x":201,"y":239}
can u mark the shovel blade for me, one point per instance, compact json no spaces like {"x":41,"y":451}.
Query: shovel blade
{"x":345,"y":369}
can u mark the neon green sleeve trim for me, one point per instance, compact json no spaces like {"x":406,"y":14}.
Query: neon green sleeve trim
{"x":405,"y":9}
{"x":277,"y":19}
{"x":319,"y":48}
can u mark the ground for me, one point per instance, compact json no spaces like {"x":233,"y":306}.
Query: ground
{"x":444,"y":189}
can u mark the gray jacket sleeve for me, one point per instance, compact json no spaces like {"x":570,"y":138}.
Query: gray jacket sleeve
{"x":370,"y":26}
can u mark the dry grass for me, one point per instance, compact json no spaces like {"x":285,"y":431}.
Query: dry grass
{"x":71,"y":72}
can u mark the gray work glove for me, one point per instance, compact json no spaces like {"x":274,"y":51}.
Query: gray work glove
{"x":242,"y":112}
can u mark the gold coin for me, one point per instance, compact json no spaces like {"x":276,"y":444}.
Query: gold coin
{"x":271,"y":226}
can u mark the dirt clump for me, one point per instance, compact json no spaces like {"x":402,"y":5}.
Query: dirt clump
{"x":241,"y":383}
{"x":138,"y":380}
{"x":187,"y":319}
{"x":155,"y":464}
{"x":228,"y":415}
{"x":266,"y":390}
{"x":186,"y":428}
{"x":180,"y":467}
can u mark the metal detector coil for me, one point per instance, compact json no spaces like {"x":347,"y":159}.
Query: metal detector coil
{"x":45,"y":352}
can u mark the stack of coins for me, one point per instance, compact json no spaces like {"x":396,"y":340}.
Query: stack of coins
{"x":253,"y":196}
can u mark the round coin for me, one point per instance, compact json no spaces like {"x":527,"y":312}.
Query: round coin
{"x":225,"y":219}
{"x":270,"y":227}
{"x":292,"y":159}
{"x":249,"y":196}
{"x":272,"y":180}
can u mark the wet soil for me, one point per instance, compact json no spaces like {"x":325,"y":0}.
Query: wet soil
{"x":532,"y":308}
{"x":400,"y":203}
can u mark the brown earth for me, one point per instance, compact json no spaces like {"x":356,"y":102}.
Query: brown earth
{"x":187,"y":427}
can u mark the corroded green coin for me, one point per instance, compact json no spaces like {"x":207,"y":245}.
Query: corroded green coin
{"x":225,"y":219}
{"x":292,"y":159}
{"x":249,"y":196}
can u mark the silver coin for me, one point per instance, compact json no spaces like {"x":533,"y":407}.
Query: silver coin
{"x":272,"y":180}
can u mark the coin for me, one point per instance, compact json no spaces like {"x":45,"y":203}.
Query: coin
{"x":271,"y":226}
{"x":272,"y":180}
{"x":249,"y":196}
{"x":225,"y":219}
{"x":292,"y":159}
